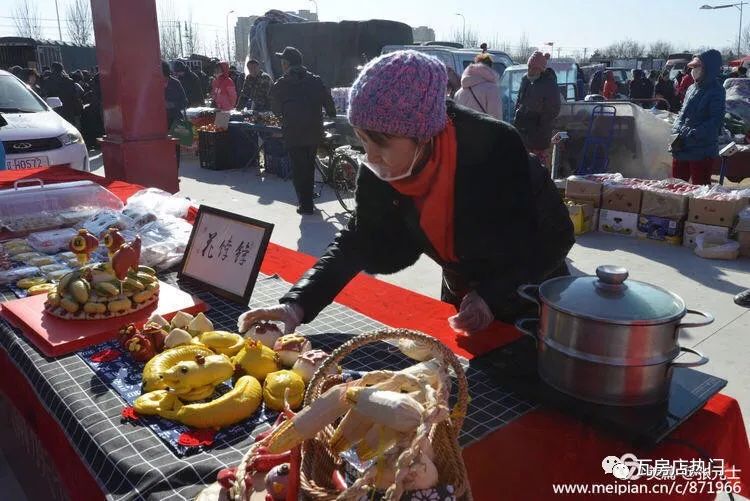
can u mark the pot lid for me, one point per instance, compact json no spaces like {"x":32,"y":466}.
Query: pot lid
{"x":610,"y":297}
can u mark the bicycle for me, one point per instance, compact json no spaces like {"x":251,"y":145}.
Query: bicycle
{"x":337,"y":167}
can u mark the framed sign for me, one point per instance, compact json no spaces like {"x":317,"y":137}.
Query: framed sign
{"x":224,"y":253}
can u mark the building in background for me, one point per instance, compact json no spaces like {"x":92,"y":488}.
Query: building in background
{"x":241,"y":33}
{"x":423,"y":34}
{"x":305,"y":14}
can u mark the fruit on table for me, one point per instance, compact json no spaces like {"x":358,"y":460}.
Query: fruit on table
{"x":237,"y":404}
{"x":199,"y":325}
{"x":256,"y":360}
{"x":203,"y":370}
{"x":82,"y":245}
{"x":140,"y":347}
{"x":181,"y":320}
{"x":277,"y":482}
{"x":290,"y":347}
{"x":226,"y":343}
{"x":167,"y":359}
{"x":177,"y":337}
{"x":275,"y":387}
{"x":41,"y":289}
{"x":27,"y":283}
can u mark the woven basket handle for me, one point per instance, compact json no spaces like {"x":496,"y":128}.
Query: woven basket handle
{"x":439,"y":349}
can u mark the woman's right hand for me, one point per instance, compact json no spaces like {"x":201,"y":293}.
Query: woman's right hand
{"x":290,"y":314}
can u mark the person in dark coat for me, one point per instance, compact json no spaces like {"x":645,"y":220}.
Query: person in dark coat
{"x":537,"y":106}
{"x":31,"y":78}
{"x":190,"y":82}
{"x":665,"y":90}
{"x":435,"y":178}
{"x":256,"y":89}
{"x":640,"y":87}
{"x":59,"y":84}
{"x":299,"y":97}
{"x":174,"y":95}
{"x":597,"y":82}
{"x":700,"y":121}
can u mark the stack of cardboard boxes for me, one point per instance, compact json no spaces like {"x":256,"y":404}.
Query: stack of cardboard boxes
{"x":670,"y":211}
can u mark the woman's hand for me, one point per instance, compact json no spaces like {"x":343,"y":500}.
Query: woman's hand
{"x":473,"y":314}
{"x":290,"y":314}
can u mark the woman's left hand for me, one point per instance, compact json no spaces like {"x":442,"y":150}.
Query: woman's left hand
{"x":473,"y":314}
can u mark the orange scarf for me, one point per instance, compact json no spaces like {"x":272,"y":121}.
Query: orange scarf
{"x":433,"y":191}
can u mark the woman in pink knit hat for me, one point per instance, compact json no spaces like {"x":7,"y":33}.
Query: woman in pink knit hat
{"x":537,"y":106}
{"x":442,"y":180}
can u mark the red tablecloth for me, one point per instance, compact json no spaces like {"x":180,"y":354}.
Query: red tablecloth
{"x":522,"y":460}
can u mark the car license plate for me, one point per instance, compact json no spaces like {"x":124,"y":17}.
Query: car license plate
{"x":26,"y":163}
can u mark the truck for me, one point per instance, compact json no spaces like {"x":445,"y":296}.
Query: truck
{"x":32,"y":53}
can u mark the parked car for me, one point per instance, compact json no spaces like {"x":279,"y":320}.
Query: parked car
{"x":456,"y":59}
{"x":36,"y":136}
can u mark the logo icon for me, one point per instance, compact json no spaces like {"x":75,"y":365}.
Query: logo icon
{"x":22,"y":146}
{"x":622,"y":468}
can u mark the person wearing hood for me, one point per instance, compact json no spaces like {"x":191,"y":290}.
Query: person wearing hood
{"x":699,"y":123}
{"x":299,"y":98}
{"x":223,"y":91}
{"x":191,"y":84}
{"x":610,"y":89}
{"x":434,"y":180}
{"x":641,"y":87}
{"x":480,"y":90}
{"x":537,"y":106}
{"x":665,"y":90}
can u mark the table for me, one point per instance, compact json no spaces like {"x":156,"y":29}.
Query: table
{"x":534,"y":448}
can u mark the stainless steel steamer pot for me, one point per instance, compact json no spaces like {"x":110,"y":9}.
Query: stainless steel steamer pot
{"x":606,"y":339}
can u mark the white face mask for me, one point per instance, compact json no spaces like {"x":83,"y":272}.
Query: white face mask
{"x":381,"y":172}
{"x":696,"y":73}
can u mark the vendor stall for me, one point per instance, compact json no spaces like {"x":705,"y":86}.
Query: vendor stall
{"x":517,"y":437}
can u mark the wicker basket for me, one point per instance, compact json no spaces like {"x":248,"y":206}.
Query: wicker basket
{"x":319,"y":462}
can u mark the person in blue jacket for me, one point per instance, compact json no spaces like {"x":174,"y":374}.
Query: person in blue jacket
{"x":699,"y":123}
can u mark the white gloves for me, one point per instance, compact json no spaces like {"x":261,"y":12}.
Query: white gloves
{"x":289,"y":313}
{"x":473,"y":314}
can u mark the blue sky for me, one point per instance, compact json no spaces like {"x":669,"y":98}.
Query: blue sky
{"x":573,"y":24}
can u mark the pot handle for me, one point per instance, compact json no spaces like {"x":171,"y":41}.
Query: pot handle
{"x":709,"y":319}
{"x":529,"y":292}
{"x":703,"y":360}
{"x":531,"y":331}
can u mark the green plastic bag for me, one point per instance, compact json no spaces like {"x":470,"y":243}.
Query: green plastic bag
{"x":182,"y":130}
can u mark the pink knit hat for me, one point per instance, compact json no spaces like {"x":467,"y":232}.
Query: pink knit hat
{"x":538,"y":60}
{"x":401,"y":93}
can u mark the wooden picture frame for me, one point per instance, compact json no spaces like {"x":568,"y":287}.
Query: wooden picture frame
{"x":224,"y":253}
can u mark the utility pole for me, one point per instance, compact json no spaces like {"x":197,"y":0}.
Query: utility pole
{"x":558,"y":52}
{"x":584,"y":52}
{"x":59,"y":28}
{"x":179,"y":30}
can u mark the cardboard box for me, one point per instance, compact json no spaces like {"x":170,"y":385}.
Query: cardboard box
{"x":715,"y":212}
{"x":664,"y":204}
{"x":618,"y":222}
{"x":582,"y":216}
{"x":583,"y":190}
{"x":622,"y":198}
{"x":692,"y":230}
{"x":660,"y":228}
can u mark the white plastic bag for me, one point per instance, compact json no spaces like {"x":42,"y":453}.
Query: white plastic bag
{"x":158,"y":202}
{"x":716,"y":246}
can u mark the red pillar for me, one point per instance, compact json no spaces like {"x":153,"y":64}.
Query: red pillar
{"x":136,"y":147}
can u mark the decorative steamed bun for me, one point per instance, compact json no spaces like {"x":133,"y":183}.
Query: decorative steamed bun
{"x":265,"y":332}
{"x":309,"y":362}
{"x":290,"y":347}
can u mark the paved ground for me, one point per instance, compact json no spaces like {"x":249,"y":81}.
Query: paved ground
{"x":703,"y":284}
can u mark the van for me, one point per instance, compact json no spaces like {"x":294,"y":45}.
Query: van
{"x":456,"y":59}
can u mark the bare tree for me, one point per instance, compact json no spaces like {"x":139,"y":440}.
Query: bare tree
{"x":660,"y":48}
{"x":524,"y":49}
{"x":193,"y":44}
{"x":169,"y":30}
{"x":469,"y":39}
{"x":27,"y":20}
{"x":625,"y":49}
{"x":79,"y":24}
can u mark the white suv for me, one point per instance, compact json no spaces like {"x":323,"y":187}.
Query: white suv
{"x":36,"y":136}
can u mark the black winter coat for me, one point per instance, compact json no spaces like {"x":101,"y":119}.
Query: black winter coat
{"x":298,"y":98}
{"x":191,"y":84}
{"x":511,"y":226}
{"x":62,"y":86}
{"x":537,"y":107}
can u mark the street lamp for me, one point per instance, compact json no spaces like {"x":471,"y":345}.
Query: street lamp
{"x":316,"y":9}
{"x":463,"y":36}
{"x":229,"y":53}
{"x":726,"y":6}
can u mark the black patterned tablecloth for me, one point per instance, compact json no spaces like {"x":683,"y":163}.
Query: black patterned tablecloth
{"x":131,"y":462}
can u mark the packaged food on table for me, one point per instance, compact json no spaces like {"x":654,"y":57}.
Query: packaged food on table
{"x":25,"y":256}
{"x":156,"y":202}
{"x":40,"y":261}
{"x":164,"y":241}
{"x":44,"y":288}
{"x":15,"y":274}
{"x":14,"y":242}
{"x":65,"y":255}
{"x":51,"y":241}
{"x":28,"y":282}
{"x":106,"y":219}
{"x":49,"y":268}
{"x":33,"y":222}
{"x":57,"y":275}
{"x":76,"y":216}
